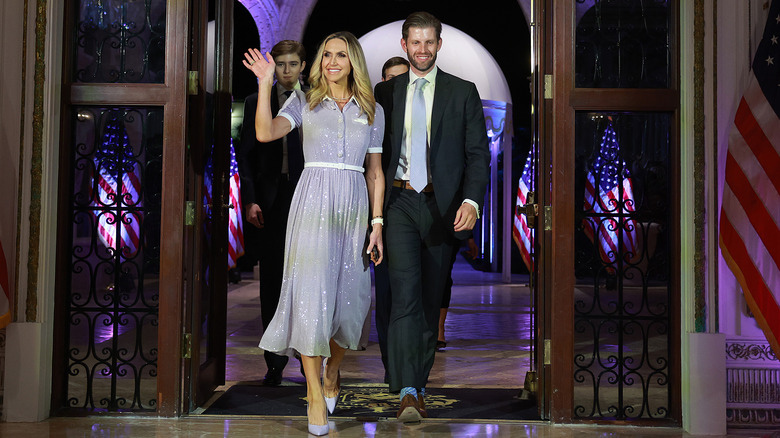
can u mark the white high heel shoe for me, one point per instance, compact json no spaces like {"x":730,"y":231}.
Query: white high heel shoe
{"x":320,"y":429}
{"x":330,"y":402}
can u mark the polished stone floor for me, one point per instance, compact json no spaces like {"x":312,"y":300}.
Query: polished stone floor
{"x":488,"y":327}
{"x":204,"y":427}
{"x":488,"y":333}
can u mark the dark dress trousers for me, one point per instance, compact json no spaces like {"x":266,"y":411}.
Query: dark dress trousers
{"x":419,"y":229}
{"x":262,"y":183}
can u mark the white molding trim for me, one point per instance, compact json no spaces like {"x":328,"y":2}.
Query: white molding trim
{"x":686,"y":220}
{"x":29,"y":376}
{"x":752,"y":374}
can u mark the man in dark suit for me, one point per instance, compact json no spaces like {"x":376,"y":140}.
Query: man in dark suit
{"x":391,"y":68}
{"x":436,"y":159}
{"x":269,"y":172}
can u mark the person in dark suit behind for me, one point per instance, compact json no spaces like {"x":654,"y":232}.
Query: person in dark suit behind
{"x":393,"y":67}
{"x":436,"y":158}
{"x":269,"y":173}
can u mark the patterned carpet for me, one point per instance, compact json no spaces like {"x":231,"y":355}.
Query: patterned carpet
{"x":372,"y":402}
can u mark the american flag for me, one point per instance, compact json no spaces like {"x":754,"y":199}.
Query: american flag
{"x":750,"y":212}
{"x":118,"y":188}
{"x":522,"y":234}
{"x":235,"y":227}
{"x":609,"y":191}
{"x":5,"y":291}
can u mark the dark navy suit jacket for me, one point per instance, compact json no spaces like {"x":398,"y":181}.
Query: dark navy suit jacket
{"x":459,"y":147}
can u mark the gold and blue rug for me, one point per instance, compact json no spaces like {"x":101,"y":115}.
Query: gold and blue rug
{"x":376,"y":402}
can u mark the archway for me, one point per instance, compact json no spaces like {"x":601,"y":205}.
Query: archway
{"x":460,"y":55}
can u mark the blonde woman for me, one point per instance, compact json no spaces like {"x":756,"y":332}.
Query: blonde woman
{"x":326,"y":285}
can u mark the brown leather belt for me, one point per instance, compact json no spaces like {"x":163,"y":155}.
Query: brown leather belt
{"x":405,"y":185}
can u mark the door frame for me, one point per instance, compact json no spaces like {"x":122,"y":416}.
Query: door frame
{"x":171,"y":96}
{"x":556,"y":175}
{"x":556,"y":231}
{"x":169,"y":339}
{"x":201,"y":379}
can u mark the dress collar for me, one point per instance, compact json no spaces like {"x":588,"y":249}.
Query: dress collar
{"x":351,"y":99}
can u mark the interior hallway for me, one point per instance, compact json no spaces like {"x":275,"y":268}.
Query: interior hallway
{"x":487,"y":331}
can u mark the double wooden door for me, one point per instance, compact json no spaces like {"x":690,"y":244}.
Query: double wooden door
{"x":146,"y":109}
{"x":142,"y":258}
{"x":606,"y":99}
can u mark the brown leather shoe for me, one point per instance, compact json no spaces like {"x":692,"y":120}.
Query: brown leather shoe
{"x":421,"y":404}
{"x":409,"y":412}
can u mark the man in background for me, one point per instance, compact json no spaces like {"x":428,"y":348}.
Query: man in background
{"x":393,"y":67}
{"x":269,"y":173}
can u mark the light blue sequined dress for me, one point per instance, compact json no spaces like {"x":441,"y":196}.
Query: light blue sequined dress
{"x":326,"y":288}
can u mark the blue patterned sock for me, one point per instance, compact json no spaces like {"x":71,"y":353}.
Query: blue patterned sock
{"x":422,"y":392}
{"x":408,"y":390}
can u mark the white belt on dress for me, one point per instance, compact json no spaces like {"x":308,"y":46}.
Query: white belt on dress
{"x":341,"y":166}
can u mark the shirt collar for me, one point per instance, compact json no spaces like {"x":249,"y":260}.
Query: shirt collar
{"x":430,"y":77}
{"x":280,"y":88}
{"x":351,"y":99}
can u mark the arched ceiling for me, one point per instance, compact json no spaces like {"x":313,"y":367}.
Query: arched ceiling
{"x":278,"y":20}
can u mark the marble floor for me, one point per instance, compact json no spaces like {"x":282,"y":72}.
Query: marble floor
{"x":488,"y":346}
{"x":488,"y":326}
{"x":205,"y":427}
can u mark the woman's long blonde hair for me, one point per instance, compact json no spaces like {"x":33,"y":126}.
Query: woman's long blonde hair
{"x":358,"y":83}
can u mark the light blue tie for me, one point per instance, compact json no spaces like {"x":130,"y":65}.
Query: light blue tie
{"x":418,"y":177}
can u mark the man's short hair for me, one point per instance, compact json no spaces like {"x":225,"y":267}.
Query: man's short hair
{"x":392,"y":62}
{"x":421,"y":20}
{"x":289,"y":47}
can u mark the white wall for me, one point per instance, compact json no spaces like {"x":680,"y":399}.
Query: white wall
{"x":460,"y":55}
{"x":27,"y":393}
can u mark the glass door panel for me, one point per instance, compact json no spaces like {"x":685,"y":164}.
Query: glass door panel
{"x":113,"y":299}
{"x":120,"y":41}
{"x":214,"y":234}
{"x":623,"y":320}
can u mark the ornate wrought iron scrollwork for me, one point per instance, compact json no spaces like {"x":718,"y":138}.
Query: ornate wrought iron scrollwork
{"x":113,"y":296}
{"x":623,"y":44}
{"x":120,"y":41}
{"x":750,"y":351}
{"x":622,"y":301}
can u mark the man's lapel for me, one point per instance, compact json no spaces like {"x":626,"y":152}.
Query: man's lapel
{"x":274,"y":101}
{"x":399,"y":111}
{"x":441,"y":98}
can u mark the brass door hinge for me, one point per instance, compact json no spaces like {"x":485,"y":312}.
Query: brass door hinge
{"x":547,"y":351}
{"x":530,"y":209}
{"x":186,"y":346}
{"x":548,"y":86}
{"x":192,"y":83}
{"x":547,"y":217}
{"x":189,"y":213}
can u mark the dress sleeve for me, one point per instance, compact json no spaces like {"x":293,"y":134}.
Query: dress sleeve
{"x":377,"y":131}
{"x":291,"y":110}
